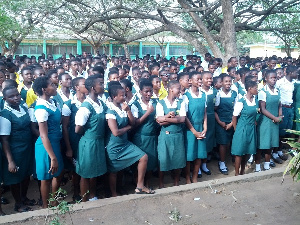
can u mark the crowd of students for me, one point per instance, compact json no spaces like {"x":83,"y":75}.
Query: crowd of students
{"x":96,"y":116}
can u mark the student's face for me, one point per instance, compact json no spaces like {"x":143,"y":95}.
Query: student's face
{"x":234,"y":62}
{"x":226,"y":83}
{"x":207,"y":79}
{"x":175,"y":90}
{"x":83,"y":63}
{"x":272,"y":64}
{"x":200,"y":69}
{"x":81,"y":87}
{"x":253,"y":90}
{"x":211,"y":68}
{"x":98,"y":87}
{"x":156,"y":83}
{"x":164,"y":76}
{"x":120,"y":98}
{"x":2,"y":78}
{"x":58,"y":63}
{"x":271,"y":79}
{"x":155,"y":71}
{"x":51,"y":64}
{"x":254,"y":73}
{"x":46,"y":66}
{"x":141,"y":64}
{"x":146,"y":93}
{"x":145,"y":75}
{"x":232,"y":73}
{"x":279,"y":74}
{"x":116,"y":62}
{"x":74,"y":66}
{"x":28,"y":62}
{"x":13,"y":97}
{"x":173,"y":76}
{"x":114,"y":77}
{"x":39,"y":73}
{"x":66,"y":81}
{"x":289,"y":62}
{"x":173,"y":69}
{"x":185,"y":81}
{"x":136,"y":74}
{"x":51,"y":89}
{"x":258,"y":66}
{"x":54,"y":78}
{"x":179,"y":61}
{"x":122,"y":74}
{"x":27,"y":76}
{"x":196,"y":80}
{"x":243,"y":62}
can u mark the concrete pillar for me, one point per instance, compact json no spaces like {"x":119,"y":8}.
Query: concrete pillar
{"x":141,"y":49}
{"x":44,"y":47}
{"x":110,"y":49}
{"x":79,"y":47}
{"x":168,"y":51}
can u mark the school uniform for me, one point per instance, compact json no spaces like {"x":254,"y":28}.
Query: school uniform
{"x":121,"y":153}
{"x":16,"y":124}
{"x":145,"y":135}
{"x":104,"y":97}
{"x":244,"y":140}
{"x":163,"y":92}
{"x":70,"y":109}
{"x":31,"y":97}
{"x":47,"y":111}
{"x":195,"y":111}
{"x":23,"y":91}
{"x":211,"y":120}
{"x":241,"y":89}
{"x":225,"y":103}
{"x":171,"y":149}
{"x":267,"y":131}
{"x":296,"y":100}
{"x":60,"y":97}
{"x":91,"y":159}
{"x":286,"y":89}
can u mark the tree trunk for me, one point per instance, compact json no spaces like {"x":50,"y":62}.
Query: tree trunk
{"x":127,"y":54}
{"x":11,"y":49}
{"x":228,"y":35}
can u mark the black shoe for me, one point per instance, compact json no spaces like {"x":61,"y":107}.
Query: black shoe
{"x":284,"y":157}
{"x":199,"y":175}
{"x":4,"y":201}
{"x":272,"y":164}
{"x":278,"y":160}
{"x":206,"y":172}
{"x":224,"y":171}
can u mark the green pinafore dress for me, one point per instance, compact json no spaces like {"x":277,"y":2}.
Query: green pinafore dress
{"x":171,"y":149}
{"x":121,"y":153}
{"x":225,"y":111}
{"x":145,"y":136}
{"x":267,"y":131}
{"x":296,"y":99}
{"x":20,"y":146}
{"x":195,"y":149}
{"x":91,"y":159}
{"x":244,"y":140}
{"x":211,"y":120}
{"x":42,"y":158}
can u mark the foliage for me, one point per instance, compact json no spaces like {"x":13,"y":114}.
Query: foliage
{"x":294,"y":164}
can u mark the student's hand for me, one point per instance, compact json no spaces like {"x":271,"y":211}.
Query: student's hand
{"x":69,"y":153}
{"x":171,"y":114}
{"x":161,"y":119}
{"x":150,"y":109}
{"x":12,"y":167}
{"x":203,"y":133}
{"x":125,"y":106}
{"x":228,"y":126}
{"x":54,"y":166}
{"x":222,"y":124}
{"x":278,"y":119}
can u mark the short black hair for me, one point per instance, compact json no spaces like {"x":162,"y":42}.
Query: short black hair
{"x":291,"y":69}
{"x":152,"y":77}
{"x":51,"y":72}
{"x":172,"y":83}
{"x":182,"y":74}
{"x":25,"y":68}
{"x":145,"y":83}
{"x":90,"y":82}
{"x":113,"y":90}
{"x":193,"y":73}
{"x":7,"y":89}
{"x":249,"y":84}
{"x":127,"y":83}
{"x":113,"y":72}
{"x":226,"y":75}
{"x":61,"y":75}
{"x":39,"y":84}
{"x":75,"y":81}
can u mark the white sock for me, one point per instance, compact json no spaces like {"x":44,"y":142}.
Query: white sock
{"x":199,"y":172}
{"x":222,"y":165}
{"x":271,"y":160}
{"x":280,"y":153}
{"x":257,"y":167}
{"x":267,"y":165}
{"x":250,"y":159}
{"x":275,"y":155}
{"x":204,"y":168}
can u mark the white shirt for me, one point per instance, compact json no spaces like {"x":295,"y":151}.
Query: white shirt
{"x":135,"y":110}
{"x":160,"y":108}
{"x":83,"y":113}
{"x":286,"y":89}
{"x":186,"y":99}
{"x":63,"y":97}
{"x":119,"y":111}
{"x":262,"y":96}
{"x":238,"y":107}
{"x":41,"y":115}
{"x":222,"y":94}
{"x":66,"y":111}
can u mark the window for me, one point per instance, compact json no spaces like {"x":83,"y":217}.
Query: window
{"x":87,"y":49}
{"x":133,"y":49}
{"x":19,"y":50}
{"x":39,"y":49}
{"x":26,"y":49}
{"x":32,"y":49}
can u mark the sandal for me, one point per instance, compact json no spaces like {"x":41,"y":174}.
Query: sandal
{"x":22,"y":208}
{"x":2,"y":214}
{"x":142,"y":191}
{"x":29,"y":202}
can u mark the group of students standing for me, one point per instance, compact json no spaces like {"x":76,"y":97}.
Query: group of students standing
{"x":145,"y":121}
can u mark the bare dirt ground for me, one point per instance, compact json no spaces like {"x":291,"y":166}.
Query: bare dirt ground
{"x":260,"y":202}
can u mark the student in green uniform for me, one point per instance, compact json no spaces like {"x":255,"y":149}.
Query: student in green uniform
{"x":224,"y":104}
{"x":244,"y":140}
{"x":170,"y":114}
{"x":64,"y":93}
{"x":90,"y":120}
{"x":269,"y":119}
{"x":15,"y":124}
{"x":196,"y":126}
{"x":71,"y":138}
{"x":184,"y":81}
{"x":120,"y":152}
{"x":143,"y":109}
{"x":53,"y":76}
{"x":27,"y":82}
{"x":210,"y":92}
{"x":48,"y":158}
{"x":296,"y":101}
{"x":156,"y":84}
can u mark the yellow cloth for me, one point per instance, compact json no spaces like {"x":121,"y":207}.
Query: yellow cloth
{"x":30,"y":97}
{"x":162,"y":92}
{"x":20,"y":86}
{"x":17,"y":78}
{"x":260,"y":85}
{"x":224,"y":69}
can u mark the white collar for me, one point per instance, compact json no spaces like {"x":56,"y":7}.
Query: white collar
{"x":76,"y":102}
{"x":266,"y":88}
{"x":48,"y":104}
{"x":209,"y":92}
{"x":119,"y":111}
{"x":193,"y":94}
{"x":63,"y":96}
{"x":174,"y":105}
{"x":19,"y":114}
{"x":98,"y":108}
{"x":143,"y":105}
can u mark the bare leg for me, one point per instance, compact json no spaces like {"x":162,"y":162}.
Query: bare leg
{"x":176,"y":177}
{"x":197,"y":163}
{"x":56,"y":185}
{"x":1,"y":212}
{"x":187,"y":172}
{"x":243,"y":165}
{"x":84,"y":187}
{"x":76,"y":184}
{"x":142,"y":167}
{"x":223,"y":149}
{"x":258,"y":156}
{"x":16,"y":193}
{"x":45,"y":190}
{"x":24,"y":188}
{"x":113,"y":183}
{"x":161,"y":179}
{"x":93,"y":184}
{"x":238,"y":160}
{"x":267,"y":155}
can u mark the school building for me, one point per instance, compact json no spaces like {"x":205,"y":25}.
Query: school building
{"x":267,"y":50}
{"x":57,"y":47}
